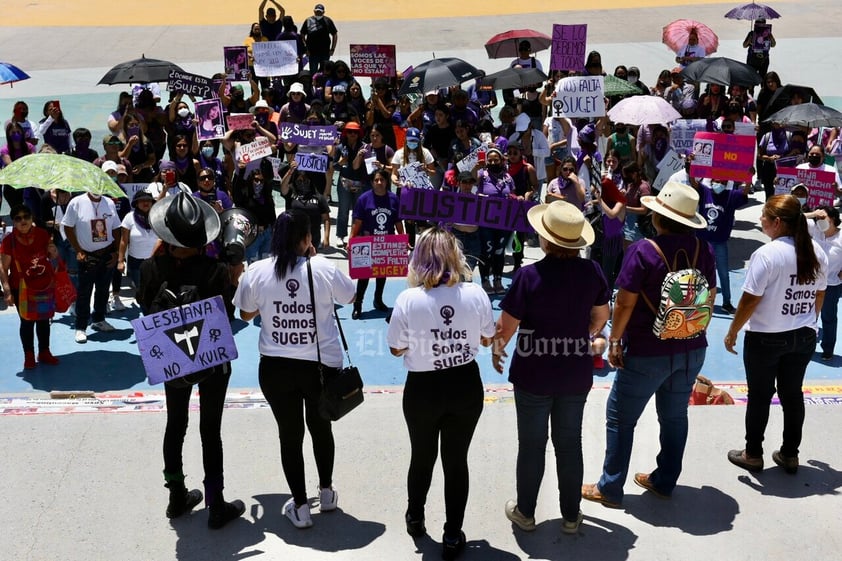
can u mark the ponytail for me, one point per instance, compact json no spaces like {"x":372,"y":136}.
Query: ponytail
{"x":291,"y":228}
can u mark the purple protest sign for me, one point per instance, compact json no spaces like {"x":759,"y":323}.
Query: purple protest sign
{"x":316,"y":135}
{"x":180,"y":341}
{"x":569,"y":45}
{"x":443,"y":206}
{"x":373,"y":60}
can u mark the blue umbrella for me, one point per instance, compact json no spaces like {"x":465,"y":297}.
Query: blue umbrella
{"x":10,"y":73}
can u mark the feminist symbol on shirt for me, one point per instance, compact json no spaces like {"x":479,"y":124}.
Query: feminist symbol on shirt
{"x":447,"y":312}
{"x":215,"y":335}
{"x":156,"y":352}
{"x":292,"y":286}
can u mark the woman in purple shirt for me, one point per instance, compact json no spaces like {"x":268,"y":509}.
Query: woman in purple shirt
{"x":493,"y":180}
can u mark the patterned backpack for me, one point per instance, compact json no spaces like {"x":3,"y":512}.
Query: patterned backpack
{"x":685,"y":308}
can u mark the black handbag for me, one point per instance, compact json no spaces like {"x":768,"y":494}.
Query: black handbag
{"x":343,"y":391}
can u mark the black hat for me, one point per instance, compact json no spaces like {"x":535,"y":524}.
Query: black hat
{"x":239,"y":230}
{"x":184,"y":221}
{"x":142,"y":196}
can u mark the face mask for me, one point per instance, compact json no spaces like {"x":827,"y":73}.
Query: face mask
{"x":620,"y":130}
{"x":494,"y":168}
{"x":237,"y":94}
{"x":114,"y":179}
{"x":814,"y":160}
{"x":412,"y":144}
{"x":823,"y":225}
{"x":718,"y":187}
{"x":16,"y":137}
{"x":82,"y":144}
{"x":207,"y":151}
{"x":262,"y":118}
{"x":802,"y":200}
{"x":319,"y":17}
{"x":183,"y":112}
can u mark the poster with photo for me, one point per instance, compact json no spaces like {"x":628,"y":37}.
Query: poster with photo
{"x":236,"y":63}
{"x":211,"y":120}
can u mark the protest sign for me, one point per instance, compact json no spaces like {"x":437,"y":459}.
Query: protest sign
{"x":311,"y":162}
{"x":378,"y":256}
{"x":819,"y":183}
{"x":236,"y":63}
{"x":669,"y":165}
{"x":415,"y":175}
{"x":183,"y":340}
{"x":568,"y":49}
{"x":309,"y":135}
{"x":239,"y":121}
{"x":468,"y":162}
{"x":373,"y":60}
{"x":747,"y":129}
{"x":190,"y":84}
{"x":275,"y":58}
{"x":762,"y":38}
{"x":579,"y":96}
{"x":209,"y":114}
{"x":370,"y":166}
{"x":276,"y":165}
{"x":726,"y":157}
{"x":682,"y":132}
{"x":132,"y":188}
{"x":464,"y":208}
{"x":259,"y":148}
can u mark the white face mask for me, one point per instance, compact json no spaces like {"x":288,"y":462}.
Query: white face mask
{"x":802,"y":201}
{"x":823,"y":224}
{"x":183,"y":112}
{"x":718,"y":187}
{"x":319,"y":16}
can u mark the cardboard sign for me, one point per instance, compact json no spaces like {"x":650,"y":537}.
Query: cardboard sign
{"x":373,"y":60}
{"x":275,"y":58}
{"x":415,"y":175}
{"x":378,"y":256}
{"x":671,"y":163}
{"x":311,"y":162}
{"x":579,"y":96}
{"x":682,"y":132}
{"x":211,"y":121}
{"x":309,"y":135}
{"x":236,"y":63}
{"x":180,"y":341}
{"x":259,"y":148}
{"x":239,"y":121}
{"x":819,"y":183}
{"x":190,"y":84}
{"x":726,"y":157}
{"x":465,"y":208}
{"x":568,"y":49}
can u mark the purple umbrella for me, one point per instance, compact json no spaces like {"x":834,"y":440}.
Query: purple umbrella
{"x":752,"y":11}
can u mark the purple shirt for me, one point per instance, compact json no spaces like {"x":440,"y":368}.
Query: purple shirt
{"x":553,"y":357}
{"x":644,"y":271}
{"x":378,"y":214}
{"x":500,"y":186}
{"x":719,"y":210}
{"x":221,"y":196}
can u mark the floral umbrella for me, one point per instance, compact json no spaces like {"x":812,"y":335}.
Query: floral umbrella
{"x":58,"y":171}
{"x":675,"y":35}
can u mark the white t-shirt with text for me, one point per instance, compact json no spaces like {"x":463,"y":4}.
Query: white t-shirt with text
{"x":94,"y":221}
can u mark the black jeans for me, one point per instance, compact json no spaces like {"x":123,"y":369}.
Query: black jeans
{"x":96,"y":280}
{"x":441,"y":405}
{"x":362,"y":286}
{"x":28,"y":330}
{"x":292,"y":388}
{"x":211,"y":401}
{"x":780,"y":359}
{"x":493,"y":249}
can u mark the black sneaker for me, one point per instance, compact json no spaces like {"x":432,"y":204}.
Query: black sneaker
{"x":181,"y":503}
{"x":728,"y":309}
{"x":451,"y":548}
{"x":219,"y":517}
{"x":827,"y":357}
{"x":415,"y":528}
{"x":380,"y":306}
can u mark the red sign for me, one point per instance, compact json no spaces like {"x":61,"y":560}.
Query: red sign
{"x":378,"y":256}
{"x":726,"y":157}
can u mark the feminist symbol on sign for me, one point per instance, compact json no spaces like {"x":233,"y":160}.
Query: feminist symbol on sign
{"x":156,"y":352}
{"x":558,"y":107}
{"x":215,"y":335}
{"x":447,"y":312}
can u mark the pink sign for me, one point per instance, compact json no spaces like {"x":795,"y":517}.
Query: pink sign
{"x":373,"y":60}
{"x":726,"y":157}
{"x":378,"y":256}
{"x":239,"y":121}
{"x":821,"y":184}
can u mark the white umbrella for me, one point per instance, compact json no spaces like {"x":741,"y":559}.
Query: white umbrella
{"x":643,"y":110}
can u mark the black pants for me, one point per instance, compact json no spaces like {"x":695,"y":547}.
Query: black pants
{"x":292,"y":388}
{"x":362,"y":286}
{"x":28,"y":330}
{"x":493,"y":252}
{"x":441,"y":405}
{"x":211,"y":401}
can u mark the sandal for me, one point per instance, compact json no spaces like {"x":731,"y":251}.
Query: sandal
{"x":591,"y":492}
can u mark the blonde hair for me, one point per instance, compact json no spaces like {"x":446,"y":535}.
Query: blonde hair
{"x":437,"y":259}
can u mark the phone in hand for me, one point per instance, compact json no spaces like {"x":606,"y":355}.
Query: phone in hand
{"x":56,"y":104}
{"x":481,"y":157}
{"x":169,"y":177}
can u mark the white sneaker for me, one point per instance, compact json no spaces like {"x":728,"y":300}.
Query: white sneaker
{"x":116,"y":304}
{"x":328,"y":499}
{"x":103,"y":326}
{"x":300,"y":516}
{"x":81,"y":336}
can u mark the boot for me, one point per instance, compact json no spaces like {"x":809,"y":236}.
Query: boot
{"x":46,"y":357}
{"x":378,"y":303}
{"x":220,"y":513}
{"x":181,"y":500}
{"x":28,"y":360}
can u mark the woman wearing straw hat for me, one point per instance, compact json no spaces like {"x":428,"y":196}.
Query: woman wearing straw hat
{"x":552,"y":387}
{"x":647,"y":364}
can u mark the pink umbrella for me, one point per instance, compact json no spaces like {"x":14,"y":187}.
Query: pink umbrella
{"x":504,"y":45}
{"x":676,"y":34}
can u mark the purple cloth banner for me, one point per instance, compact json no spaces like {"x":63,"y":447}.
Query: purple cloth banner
{"x":180,"y":341}
{"x":443,"y":206}
{"x":569,"y":45}
{"x":316,"y":135}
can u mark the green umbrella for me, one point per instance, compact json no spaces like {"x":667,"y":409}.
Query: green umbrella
{"x":58,"y":171}
{"x":618,"y":86}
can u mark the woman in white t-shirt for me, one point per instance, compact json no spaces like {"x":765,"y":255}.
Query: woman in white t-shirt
{"x":825,"y":230}
{"x":783,"y":291}
{"x":137,"y":240}
{"x":437,"y":326}
{"x":278,"y":290}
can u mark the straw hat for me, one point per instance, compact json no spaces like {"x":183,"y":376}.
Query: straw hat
{"x":678,"y":202}
{"x":184,"y":221}
{"x":562,"y":224}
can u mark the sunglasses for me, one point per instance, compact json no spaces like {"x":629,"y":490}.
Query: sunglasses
{"x":568,"y":169}
{"x":22,"y":217}
{"x":205,"y":178}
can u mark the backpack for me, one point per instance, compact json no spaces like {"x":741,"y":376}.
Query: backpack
{"x":685,"y":309}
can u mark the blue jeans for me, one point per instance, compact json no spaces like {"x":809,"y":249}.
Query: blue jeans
{"x":669,"y":378}
{"x":347,"y":200}
{"x":564,"y":414}
{"x":776,"y":361}
{"x":720,"y":253}
{"x":829,"y":313}
{"x":97,"y":281}
{"x":261,"y":247}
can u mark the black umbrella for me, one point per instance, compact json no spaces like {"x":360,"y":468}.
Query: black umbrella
{"x":722,"y":71}
{"x":514,"y":78}
{"x":809,"y":115}
{"x":138,"y":71}
{"x":782,"y":97}
{"x":439,"y":73}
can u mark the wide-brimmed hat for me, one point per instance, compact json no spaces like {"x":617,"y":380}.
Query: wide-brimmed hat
{"x":562,"y":224}
{"x":184,"y":221}
{"x":142,"y":196}
{"x":296,"y":87}
{"x":261,"y":104}
{"x":678,"y":202}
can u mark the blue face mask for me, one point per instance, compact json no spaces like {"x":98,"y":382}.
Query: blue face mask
{"x":207,"y":151}
{"x":412,"y":144}
{"x":718,"y":187}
